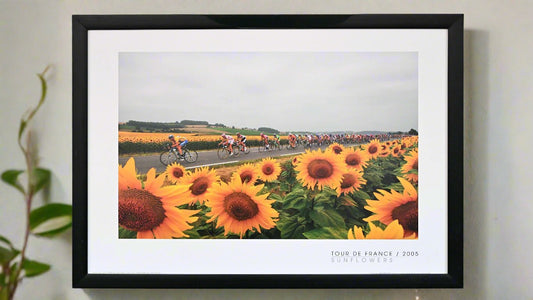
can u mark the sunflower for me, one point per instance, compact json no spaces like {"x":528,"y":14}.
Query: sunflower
{"x":320,"y":169}
{"x":336,"y":148}
{"x":199,"y":183}
{"x":351,"y":181}
{"x":411,"y":163}
{"x":395,"y":206}
{"x":175,"y":172}
{"x":247,"y":173}
{"x":396,"y":151}
{"x":355,"y":159}
{"x":151,"y":211}
{"x":393,"y":231}
{"x":269,"y":169}
{"x":372,"y":148}
{"x":384,"y":150}
{"x":237,"y":207}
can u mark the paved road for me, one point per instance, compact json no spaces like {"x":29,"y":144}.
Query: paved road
{"x":144,"y":163}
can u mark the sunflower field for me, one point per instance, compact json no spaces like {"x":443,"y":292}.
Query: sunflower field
{"x":363,"y":192}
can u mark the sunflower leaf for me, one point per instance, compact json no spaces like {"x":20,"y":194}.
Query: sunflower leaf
{"x":291,"y":227}
{"x":327,"y":233}
{"x":34,"y":268}
{"x":327,"y":218}
{"x":126,"y":234}
{"x":11,"y":177}
{"x":275,"y":197}
{"x":51,"y":219}
{"x":296,"y":199}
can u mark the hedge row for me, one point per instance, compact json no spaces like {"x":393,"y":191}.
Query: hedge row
{"x":152,"y":147}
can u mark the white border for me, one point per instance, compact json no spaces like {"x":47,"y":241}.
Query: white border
{"x":109,"y":255}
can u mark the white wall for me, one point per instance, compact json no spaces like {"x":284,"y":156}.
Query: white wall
{"x":498,"y":97}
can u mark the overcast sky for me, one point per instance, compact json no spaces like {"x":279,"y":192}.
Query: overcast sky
{"x":288,"y":91}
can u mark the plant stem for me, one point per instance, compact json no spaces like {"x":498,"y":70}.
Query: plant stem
{"x":28,"y":198}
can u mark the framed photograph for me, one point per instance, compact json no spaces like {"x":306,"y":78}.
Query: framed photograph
{"x":268,"y":151}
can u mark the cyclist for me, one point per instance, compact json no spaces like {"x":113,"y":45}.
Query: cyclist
{"x":264,"y":138}
{"x":277,"y":139}
{"x":292,"y":140}
{"x":178,"y":143}
{"x":241,"y":140}
{"x":227,"y":140}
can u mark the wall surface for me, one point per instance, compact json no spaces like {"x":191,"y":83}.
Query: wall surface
{"x":498,"y":124}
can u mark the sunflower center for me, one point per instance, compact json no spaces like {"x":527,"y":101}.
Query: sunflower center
{"x":348,"y":180}
{"x":352,"y":159}
{"x":415,"y":164}
{"x":267,"y":169}
{"x":246,"y":176}
{"x":320,"y":168}
{"x":199,"y":186}
{"x":407,"y":215}
{"x":372,"y":149}
{"x":139,"y":210}
{"x":337,"y":149}
{"x":396,"y":150}
{"x":177,"y":172}
{"x":240,"y":206}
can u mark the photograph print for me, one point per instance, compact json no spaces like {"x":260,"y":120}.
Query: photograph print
{"x":268,"y":145}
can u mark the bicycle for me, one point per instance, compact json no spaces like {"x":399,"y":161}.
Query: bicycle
{"x":242,"y":147}
{"x":171,"y":155}
{"x":223,"y":151}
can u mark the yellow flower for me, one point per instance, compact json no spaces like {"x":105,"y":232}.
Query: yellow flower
{"x":411,"y":163}
{"x":395,"y":206}
{"x":355,"y":159}
{"x":175,"y":172}
{"x":372,"y":148}
{"x":396,"y":151}
{"x":336,"y":148}
{"x":237,"y":207}
{"x":393,"y":231}
{"x":247,"y":173}
{"x":269,"y":169}
{"x":199,"y":183}
{"x":320,"y":169}
{"x":384,"y":150}
{"x":351,"y":181}
{"x":151,"y":211}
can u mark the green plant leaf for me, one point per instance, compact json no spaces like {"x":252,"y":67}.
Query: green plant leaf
{"x":2,"y":281}
{"x":7,"y":255}
{"x":11,"y":177}
{"x":6,"y":241}
{"x":327,"y":218}
{"x":126,"y":234}
{"x":51,"y":219}
{"x":41,"y":178}
{"x":296,"y":199}
{"x":34,"y":268}
{"x":327,"y":233}
{"x":275,"y":197}
{"x":22,"y":127}
{"x":291,"y":227}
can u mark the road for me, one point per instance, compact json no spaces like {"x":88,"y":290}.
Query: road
{"x":143,"y":163}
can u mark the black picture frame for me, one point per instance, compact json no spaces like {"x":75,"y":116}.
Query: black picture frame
{"x":83,"y":24}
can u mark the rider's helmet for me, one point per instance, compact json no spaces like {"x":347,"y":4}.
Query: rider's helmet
{"x":170,"y":136}
{"x":262,"y":134}
{"x":238,"y":134}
